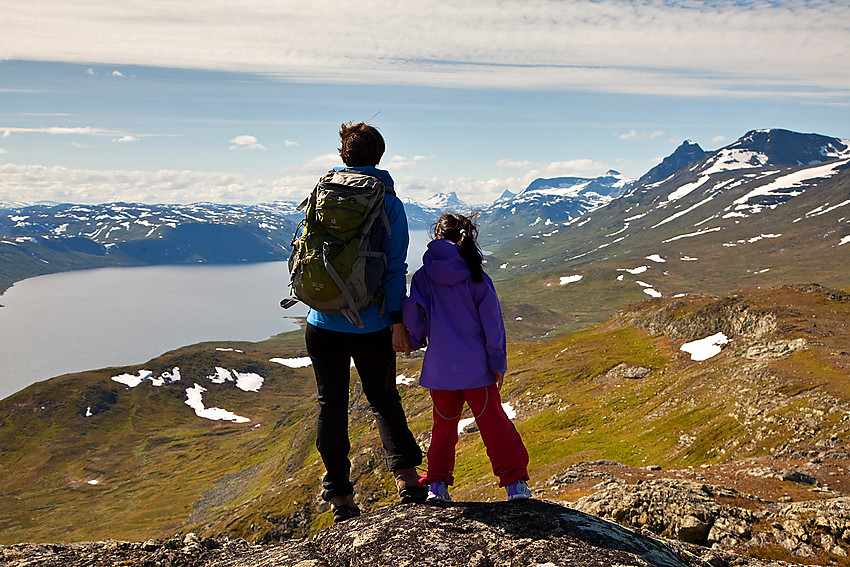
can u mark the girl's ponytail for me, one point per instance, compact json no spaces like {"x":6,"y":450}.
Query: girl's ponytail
{"x":463,"y":232}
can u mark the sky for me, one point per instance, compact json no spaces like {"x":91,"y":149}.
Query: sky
{"x":240,"y":101}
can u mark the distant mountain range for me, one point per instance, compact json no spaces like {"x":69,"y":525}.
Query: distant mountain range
{"x":691,"y":197}
{"x":772,"y":208}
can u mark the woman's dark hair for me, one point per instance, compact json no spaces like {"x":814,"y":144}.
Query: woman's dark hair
{"x":362,"y":145}
{"x":464,"y":233}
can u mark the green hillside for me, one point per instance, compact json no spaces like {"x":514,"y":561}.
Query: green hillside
{"x":618,"y":392}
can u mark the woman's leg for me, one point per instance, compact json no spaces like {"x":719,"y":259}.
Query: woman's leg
{"x":331,"y":365}
{"x":375,"y":360}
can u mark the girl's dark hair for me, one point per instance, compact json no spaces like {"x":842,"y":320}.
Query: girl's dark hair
{"x":362,"y":145}
{"x":464,"y":233}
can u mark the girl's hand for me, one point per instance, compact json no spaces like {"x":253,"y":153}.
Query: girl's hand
{"x":500,"y":377}
{"x":401,"y":339}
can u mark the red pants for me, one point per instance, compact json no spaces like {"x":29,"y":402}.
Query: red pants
{"x":504,"y":445}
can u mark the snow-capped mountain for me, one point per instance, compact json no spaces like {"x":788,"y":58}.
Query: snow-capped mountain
{"x":547,"y":202}
{"x":445,"y":202}
{"x":48,"y":238}
{"x":772,"y":207}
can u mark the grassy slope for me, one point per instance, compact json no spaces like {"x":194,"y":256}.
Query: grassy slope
{"x":161,"y":469}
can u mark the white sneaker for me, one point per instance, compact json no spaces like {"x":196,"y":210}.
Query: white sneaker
{"x":518,"y":491}
{"x":438,"y":492}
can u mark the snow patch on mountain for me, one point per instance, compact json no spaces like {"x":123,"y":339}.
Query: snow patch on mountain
{"x":792,"y":184}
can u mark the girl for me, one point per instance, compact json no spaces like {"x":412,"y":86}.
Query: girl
{"x":453,"y":307}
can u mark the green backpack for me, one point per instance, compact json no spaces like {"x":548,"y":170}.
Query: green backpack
{"x":336,"y":265}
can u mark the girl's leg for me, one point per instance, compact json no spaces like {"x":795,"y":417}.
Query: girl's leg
{"x":448,"y":405}
{"x":504,"y":445}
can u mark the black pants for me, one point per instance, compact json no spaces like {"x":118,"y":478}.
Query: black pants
{"x":331,"y":353}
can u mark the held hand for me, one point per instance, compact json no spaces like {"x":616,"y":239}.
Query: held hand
{"x":401,"y":339}
{"x":500,"y":378}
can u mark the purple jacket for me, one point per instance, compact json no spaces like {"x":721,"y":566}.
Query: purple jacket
{"x":460,"y":319}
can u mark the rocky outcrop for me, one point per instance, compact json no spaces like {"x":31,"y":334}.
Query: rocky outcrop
{"x":691,"y":512}
{"x":530,"y":533}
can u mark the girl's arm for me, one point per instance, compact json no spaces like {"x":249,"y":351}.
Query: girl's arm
{"x":415,"y":315}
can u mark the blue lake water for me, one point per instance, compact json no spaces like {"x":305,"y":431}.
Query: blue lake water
{"x":75,"y":321}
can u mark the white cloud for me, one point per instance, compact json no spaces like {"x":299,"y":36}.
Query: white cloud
{"x":516,"y":164}
{"x":117,"y":74}
{"x":316,"y":166}
{"x":2,"y":151}
{"x":289,"y":143}
{"x":90,"y":71}
{"x":33,"y":183}
{"x":718,"y":139}
{"x":401,"y":163}
{"x":117,"y":135}
{"x":634,"y":135}
{"x":533,"y":169}
{"x":655,"y":46}
{"x":246,"y":142}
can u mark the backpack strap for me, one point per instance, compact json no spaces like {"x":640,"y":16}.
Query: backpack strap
{"x":349,"y":312}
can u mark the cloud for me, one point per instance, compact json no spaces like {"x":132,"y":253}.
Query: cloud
{"x":718,"y":139}
{"x":117,"y":135}
{"x":401,"y":163}
{"x":633,"y":135}
{"x":2,"y":151}
{"x":555,"y":168}
{"x":117,"y":74}
{"x":783,"y":48}
{"x":33,"y":183}
{"x":288,"y":143}
{"x":246,"y":142}
{"x":90,"y":71}
{"x":316,"y":166}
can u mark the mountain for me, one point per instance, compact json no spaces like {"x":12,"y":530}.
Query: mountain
{"x":746,"y":215}
{"x":546,"y":203}
{"x":445,"y":202}
{"x":42,"y":239}
{"x":685,"y":155}
{"x":622,"y":421}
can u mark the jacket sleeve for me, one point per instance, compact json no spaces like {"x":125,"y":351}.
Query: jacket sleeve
{"x":493,"y":325}
{"x":395,"y":247}
{"x":416,"y":314}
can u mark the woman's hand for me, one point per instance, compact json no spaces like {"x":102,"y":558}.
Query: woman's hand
{"x":401,"y":338}
{"x":500,"y":378}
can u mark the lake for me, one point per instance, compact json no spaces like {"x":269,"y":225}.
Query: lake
{"x":75,"y":321}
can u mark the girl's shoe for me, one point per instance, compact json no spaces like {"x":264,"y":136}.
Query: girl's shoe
{"x":518,"y":490}
{"x":438,"y":492}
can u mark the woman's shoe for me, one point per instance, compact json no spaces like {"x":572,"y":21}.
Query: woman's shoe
{"x":409,"y":489}
{"x":344,"y":508}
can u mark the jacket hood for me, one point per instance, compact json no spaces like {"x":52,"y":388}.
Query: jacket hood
{"x":444,"y":264}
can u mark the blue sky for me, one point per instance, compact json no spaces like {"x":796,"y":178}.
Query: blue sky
{"x":241,"y":100}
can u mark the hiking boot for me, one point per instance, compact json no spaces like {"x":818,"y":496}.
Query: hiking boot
{"x":409,"y":489}
{"x":344,"y":508}
{"x":518,"y":491}
{"x":438,"y":492}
